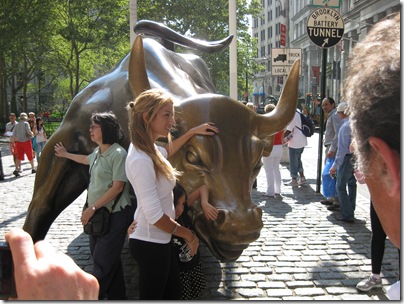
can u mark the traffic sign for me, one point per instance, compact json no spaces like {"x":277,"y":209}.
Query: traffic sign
{"x":325,"y":27}
{"x":283,"y":59}
{"x":328,"y":3}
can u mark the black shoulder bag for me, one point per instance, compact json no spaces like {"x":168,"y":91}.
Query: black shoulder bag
{"x":99,"y":223}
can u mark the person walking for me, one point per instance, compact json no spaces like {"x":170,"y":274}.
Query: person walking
{"x":151,"y":116}
{"x":343,"y":168}
{"x":332,"y":126}
{"x":107,"y":187}
{"x":9,"y":133}
{"x":296,"y":142}
{"x":41,"y":137}
{"x":22,"y":135}
{"x":272,"y":162}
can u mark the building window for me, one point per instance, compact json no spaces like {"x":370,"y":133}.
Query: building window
{"x":262,"y":35}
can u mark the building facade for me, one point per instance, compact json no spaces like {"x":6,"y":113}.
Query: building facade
{"x":290,"y":16}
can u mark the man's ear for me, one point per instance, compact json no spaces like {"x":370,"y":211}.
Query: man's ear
{"x":391,"y":159}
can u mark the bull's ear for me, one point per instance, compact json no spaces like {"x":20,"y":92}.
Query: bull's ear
{"x":139,"y":82}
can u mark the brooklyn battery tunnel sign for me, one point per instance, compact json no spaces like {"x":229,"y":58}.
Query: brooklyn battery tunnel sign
{"x":325,"y":27}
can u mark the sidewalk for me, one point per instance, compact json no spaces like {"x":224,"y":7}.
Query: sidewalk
{"x":303,"y":253}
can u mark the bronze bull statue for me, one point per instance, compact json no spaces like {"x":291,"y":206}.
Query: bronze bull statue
{"x":228,"y":163}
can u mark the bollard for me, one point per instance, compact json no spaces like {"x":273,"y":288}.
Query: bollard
{"x":1,"y":168}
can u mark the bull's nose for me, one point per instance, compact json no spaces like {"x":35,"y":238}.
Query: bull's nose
{"x":242,"y":222}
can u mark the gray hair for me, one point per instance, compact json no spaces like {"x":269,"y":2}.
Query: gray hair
{"x":372,"y":89}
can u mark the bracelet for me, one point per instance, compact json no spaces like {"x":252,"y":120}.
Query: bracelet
{"x":175,"y":229}
{"x":194,"y":237}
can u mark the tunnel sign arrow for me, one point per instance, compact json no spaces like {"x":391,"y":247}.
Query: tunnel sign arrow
{"x":325,"y":27}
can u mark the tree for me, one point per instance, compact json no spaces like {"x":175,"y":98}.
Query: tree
{"x":207,"y":20}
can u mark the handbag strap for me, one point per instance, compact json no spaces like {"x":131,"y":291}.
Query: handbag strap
{"x":116,"y":198}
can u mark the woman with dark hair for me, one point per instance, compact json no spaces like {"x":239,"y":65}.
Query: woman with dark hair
{"x":40,"y":137}
{"x":107,"y":188}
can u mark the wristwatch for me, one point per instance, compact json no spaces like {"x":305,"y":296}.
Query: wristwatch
{"x":93,"y":207}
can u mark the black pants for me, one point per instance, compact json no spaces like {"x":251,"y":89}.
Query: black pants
{"x":106,"y":251}
{"x":159,"y":277}
{"x":377,"y":243}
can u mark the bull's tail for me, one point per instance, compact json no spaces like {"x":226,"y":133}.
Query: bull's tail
{"x":169,"y":36}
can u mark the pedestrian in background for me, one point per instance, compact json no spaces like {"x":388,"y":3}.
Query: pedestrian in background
{"x":332,"y":126}
{"x":41,"y":137}
{"x":151,"y":116}
{"x":9,"y":133}
{"x":373,"y":89}
{"x":22,"y":135}
{"x":377,"y":246}
{"x":32,"y":125}
{"x":107,"y":187}
{"x":272,"y":162}
{"x":343,"y":168}
{"x":296,"y":142}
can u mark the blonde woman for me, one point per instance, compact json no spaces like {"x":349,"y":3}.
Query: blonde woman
{"x":151,"y":116}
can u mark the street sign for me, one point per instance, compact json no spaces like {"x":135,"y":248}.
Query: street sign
{"x":282,"y":40}
{"x":325,"y":27}
{"x":328,"y":3}
{"x":283,"y":59}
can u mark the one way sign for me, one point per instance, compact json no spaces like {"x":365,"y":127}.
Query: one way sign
{"x":325,"y":27}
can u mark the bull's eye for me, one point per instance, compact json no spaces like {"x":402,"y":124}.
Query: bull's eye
{"x":193,"y":158}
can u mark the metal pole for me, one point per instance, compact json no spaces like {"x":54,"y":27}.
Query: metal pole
{"x":246,"y":80}
{"x":320,"y":140}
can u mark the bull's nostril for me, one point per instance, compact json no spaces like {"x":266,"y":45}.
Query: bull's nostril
{"x":222,"y":216}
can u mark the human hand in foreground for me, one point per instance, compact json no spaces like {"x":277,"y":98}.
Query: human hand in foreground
{"x":42,"y":273}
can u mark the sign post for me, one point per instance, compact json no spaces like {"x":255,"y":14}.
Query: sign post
{"x":325,"y":28}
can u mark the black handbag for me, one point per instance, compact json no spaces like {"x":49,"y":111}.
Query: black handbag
{"x":99,"y":223}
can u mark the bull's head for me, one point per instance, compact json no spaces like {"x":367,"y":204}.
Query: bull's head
{"x":227,"y":163}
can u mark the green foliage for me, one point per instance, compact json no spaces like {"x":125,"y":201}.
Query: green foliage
{"x":206,"y":20}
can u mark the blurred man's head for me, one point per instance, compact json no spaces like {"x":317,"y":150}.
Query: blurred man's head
{"x":328,"y":104}
{"x":372,"y":89}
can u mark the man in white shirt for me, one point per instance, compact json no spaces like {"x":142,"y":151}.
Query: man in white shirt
{"x":296,"y":141}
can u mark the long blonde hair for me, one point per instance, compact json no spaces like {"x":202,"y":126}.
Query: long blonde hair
{"x":149,"y":102}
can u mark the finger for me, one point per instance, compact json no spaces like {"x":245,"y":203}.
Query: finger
{"x":44,"y":250}
{"x":22,"y":248}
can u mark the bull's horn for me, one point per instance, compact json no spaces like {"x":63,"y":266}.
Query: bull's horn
{"x":139,"y":82}
{"x":284,"y":112}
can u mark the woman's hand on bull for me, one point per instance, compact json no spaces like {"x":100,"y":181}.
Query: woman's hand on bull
{"x":207,"y":128}
{"x":210,"y":212}
{"x":60,"y":150}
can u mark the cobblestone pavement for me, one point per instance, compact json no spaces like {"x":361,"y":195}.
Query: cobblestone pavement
{"x":303,"y":253}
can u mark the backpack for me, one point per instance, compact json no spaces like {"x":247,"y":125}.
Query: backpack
{"x":307,"y":125}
